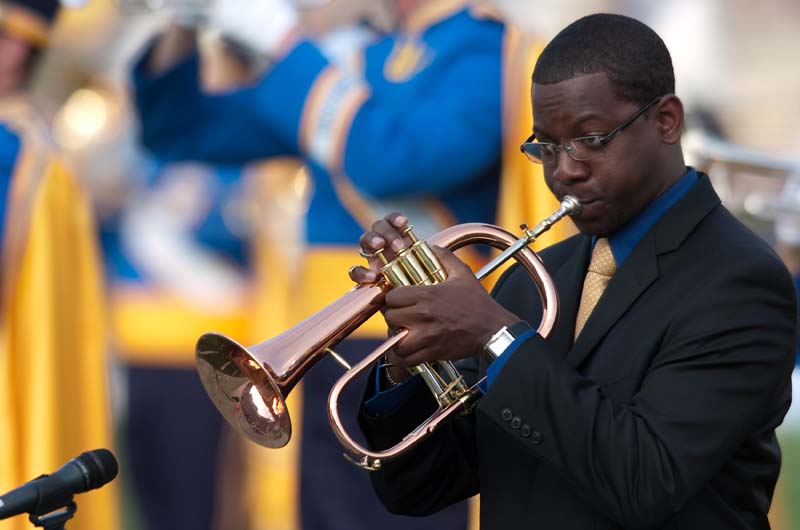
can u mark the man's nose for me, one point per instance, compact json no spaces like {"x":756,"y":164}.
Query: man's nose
{"x":569,"y":170}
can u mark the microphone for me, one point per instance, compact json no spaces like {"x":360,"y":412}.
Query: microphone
{"x":48,"y":493}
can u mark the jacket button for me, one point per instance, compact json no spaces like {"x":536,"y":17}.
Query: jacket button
{"x":536,"y":438}
{"x":516,"y":421}
{"x":506,"y":414}
{"x":525,"y":430}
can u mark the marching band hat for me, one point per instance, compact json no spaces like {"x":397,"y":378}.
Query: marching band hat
{"x":29,"y":20}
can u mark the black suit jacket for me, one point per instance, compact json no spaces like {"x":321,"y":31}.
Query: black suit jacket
{"x":662,"y":413}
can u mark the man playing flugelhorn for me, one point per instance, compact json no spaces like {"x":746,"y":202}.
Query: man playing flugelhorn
{"x":654,"y":402}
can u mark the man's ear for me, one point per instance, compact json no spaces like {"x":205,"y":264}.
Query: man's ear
{"x":670,"y":119}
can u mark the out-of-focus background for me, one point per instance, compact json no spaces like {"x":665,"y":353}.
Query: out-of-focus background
{"x":736,"y":71}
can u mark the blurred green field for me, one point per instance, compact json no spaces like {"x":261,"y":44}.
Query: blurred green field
{"x":785,"y":513}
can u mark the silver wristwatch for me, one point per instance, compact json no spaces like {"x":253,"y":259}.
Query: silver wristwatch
{"x":501,"y":340}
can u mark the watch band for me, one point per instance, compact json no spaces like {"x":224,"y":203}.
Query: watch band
{"x":501,"y":340}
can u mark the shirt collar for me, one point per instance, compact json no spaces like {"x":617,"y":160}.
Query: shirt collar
{"x":624,"y":240}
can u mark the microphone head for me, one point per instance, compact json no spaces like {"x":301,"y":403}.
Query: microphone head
{"x":101,"y":466}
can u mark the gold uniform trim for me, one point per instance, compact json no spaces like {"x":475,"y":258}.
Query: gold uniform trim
{"x":30,"y":170}
{"x":328,"y":113}
{"x":346,"y":113}
{"x":313,"y":104}
{"x":324,"y":279}
{"x":407,"y":58}
{"x":156,"y":329}
{"x":524,"y":196}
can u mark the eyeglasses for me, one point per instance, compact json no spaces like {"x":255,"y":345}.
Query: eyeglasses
{"x":580,"y":149}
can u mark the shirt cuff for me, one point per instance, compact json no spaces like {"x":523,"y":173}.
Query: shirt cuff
{"x":496,"y":366}
{"x":385,"y":402}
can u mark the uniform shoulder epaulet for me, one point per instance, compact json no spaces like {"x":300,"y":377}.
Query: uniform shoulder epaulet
{"x":486,"y":11}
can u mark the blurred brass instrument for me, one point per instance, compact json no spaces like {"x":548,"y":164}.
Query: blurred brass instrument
{"x":704,"y":150}
{"x":250,"y":385}
{"x":749,"y":181}
{"x":198,"y":7}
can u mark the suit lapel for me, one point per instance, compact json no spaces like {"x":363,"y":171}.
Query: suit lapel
{"x":640,"y":270}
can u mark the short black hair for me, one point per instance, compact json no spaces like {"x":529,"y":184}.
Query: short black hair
{"x":629,"y":52}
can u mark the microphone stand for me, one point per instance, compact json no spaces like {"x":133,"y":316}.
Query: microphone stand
{"x":57,"y":519}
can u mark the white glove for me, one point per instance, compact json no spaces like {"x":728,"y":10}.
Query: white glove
{"x":258,"y":25}
{"x":189,"y":14}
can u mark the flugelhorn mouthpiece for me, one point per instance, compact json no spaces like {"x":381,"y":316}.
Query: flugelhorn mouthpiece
{"x":571,"y":205}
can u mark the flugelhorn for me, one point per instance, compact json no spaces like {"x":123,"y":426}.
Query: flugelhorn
{"x":250,"y":385}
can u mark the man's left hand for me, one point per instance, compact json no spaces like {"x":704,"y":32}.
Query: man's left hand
{"x":448,"y":321}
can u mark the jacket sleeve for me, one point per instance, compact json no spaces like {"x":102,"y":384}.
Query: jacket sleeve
{"x":179,"y":122}
{"x":714,"y":381}
{"x":438,"y":472}
{"x":424,"y":137}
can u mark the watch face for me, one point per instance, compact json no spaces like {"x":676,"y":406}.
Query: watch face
{"x":501,"y":340}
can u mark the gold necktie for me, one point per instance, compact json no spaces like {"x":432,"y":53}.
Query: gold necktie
{"x":601,"y":269}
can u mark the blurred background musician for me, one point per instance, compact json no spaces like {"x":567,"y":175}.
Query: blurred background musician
{"x":53,"y":395}
{"x":176,"y":265}
{"x":192,"y":216}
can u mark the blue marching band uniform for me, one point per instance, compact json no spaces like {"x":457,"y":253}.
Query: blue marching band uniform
{"x":417,"y":128}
